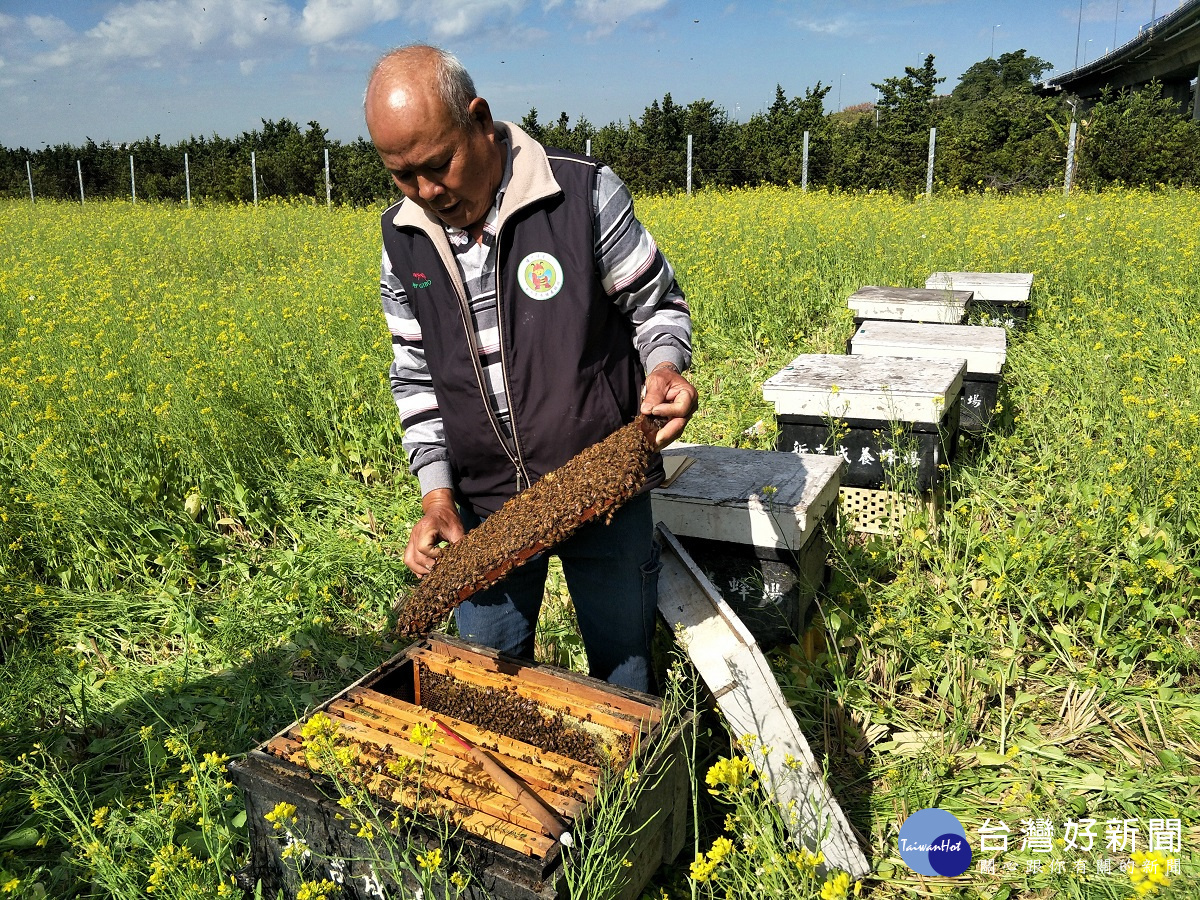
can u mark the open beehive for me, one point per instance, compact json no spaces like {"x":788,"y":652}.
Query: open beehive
{"x":560,"y":733}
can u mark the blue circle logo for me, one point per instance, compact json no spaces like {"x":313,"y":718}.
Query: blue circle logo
{"x":933,"y":842}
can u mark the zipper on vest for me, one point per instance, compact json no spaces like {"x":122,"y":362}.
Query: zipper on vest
{"x":512,"y":413}
{"x":464,"y":311}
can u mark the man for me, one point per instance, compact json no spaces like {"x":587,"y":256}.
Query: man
{"x":526,"y":303}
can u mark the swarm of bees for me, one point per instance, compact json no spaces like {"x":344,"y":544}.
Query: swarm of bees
{"x":593,"y":483}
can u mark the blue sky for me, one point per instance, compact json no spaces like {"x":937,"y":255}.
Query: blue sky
{"x":120,"y":71}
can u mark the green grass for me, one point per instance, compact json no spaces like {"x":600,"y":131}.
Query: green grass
{"x":203,"y":500}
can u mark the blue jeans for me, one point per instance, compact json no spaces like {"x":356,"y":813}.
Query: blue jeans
{"x":612,"y":574}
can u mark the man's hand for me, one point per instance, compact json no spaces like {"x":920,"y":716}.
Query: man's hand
{"x":439,"y":523}
{"x":669,"y":394}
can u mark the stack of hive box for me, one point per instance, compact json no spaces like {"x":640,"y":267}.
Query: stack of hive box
{"x":916,"y":375}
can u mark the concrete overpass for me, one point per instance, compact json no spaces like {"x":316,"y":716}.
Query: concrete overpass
{"x":1168,"y":49}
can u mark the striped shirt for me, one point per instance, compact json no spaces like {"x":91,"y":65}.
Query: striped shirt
{"x":633,"y":272}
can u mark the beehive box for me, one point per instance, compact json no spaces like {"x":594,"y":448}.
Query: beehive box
{"x":998,"y":298}
{"x":909,"y":305}
{"x":892,"y":421}
{"x":751,"y":519}
{"x":558,"y":731}
{"x":982,"y":347}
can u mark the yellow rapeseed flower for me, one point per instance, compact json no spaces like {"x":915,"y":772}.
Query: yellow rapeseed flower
{"x":430,"y":861}
{"x":282,"y":815}
{"x":836,"y":887}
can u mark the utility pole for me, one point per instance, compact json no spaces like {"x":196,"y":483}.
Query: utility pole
{"x":1078,"y":33}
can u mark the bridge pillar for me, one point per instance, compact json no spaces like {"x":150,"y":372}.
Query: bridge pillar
{"x":1196,"y":98}
{"x":1179,"y":91}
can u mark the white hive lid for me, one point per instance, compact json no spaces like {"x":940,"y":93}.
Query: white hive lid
{"x":909,"y":304}
{"x":720,"y":495}
{"x":983,"y":347}
{"x":874,"y":388}
{"x":993,"y":287}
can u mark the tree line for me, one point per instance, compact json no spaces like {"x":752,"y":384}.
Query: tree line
{"x":995,"y":130}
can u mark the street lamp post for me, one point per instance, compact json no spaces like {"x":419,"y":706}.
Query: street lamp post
{"x":840,"y":80}
{"x":992,"y":54}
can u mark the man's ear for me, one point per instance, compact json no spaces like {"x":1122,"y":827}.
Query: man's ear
{"x":481,"y":114}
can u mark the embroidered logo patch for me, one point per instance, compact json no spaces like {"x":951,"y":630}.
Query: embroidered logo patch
{"x":540,"y":275}
{"x":420,"y":280}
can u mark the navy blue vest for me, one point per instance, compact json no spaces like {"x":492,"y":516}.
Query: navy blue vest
{"x":573,"y":375}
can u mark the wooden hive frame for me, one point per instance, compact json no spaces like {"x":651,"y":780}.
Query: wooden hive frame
{"x":376,"y":717}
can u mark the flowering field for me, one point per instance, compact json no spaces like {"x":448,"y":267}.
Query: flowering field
{"x":202,"y":495}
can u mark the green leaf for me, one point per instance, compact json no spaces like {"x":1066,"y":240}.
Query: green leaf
{"x":990,"y":758}
{"x":21,"y":839}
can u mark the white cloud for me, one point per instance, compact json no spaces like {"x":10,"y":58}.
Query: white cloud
{"x":327,"y":20}
{"x":840,"y":25}
{"x":607,"y":15}
{"x":46,"y":28}
{"x":457,"y":19}
{"x":175,"y":33}
{"x":602,"y":12}
{"x":147,"y":30}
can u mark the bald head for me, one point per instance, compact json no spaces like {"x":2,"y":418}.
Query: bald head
{"x":423,"y":73}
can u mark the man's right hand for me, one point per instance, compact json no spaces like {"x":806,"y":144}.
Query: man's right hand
{"x":439,"y":523}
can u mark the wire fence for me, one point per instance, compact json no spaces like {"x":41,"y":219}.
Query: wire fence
{"x":365,"y":181}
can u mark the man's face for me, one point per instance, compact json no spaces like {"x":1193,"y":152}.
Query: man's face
{"x":452,"y":172}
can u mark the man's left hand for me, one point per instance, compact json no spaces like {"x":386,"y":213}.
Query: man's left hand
{"x":671,"y":395}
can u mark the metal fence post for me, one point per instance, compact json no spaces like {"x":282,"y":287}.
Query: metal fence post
{"x":132,"y":182}
{"x":79,"y":169}
{"x":929,"y":168}
{"x":187,"y":179}
{"x":29,"y":174}
{"x":689,"y":166}
{"x":804,"y":165}
{"x":327,"y":191}
{"x":254,"y":177}
{"x":1070,"y":160}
